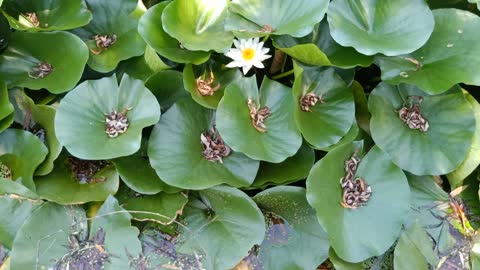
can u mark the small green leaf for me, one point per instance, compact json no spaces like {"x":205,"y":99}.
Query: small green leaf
{"x":6,"y":108}
{"x":167,"y":86}
{"x":144,"y":66}
{"x":415,"y":250}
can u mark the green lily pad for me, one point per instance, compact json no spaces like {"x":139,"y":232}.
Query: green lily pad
{"x":41,"y":124}
{"x":27,"y":147}
{"x":362,"y":115}
{"x":6,"y":108}
{"x":292,"y":169}
{"x":381,"y":26}
{"x":281,"y":139}
{"x":198,"y":24}
{"x":49,"y":15}
{"x":472,"y":160}
{"x":325,"y":124}
{"x":167,"y":86}
{"x":80,"y":119}
{"x":414,"y":250}
{"x":176,"y":151}
{"x":162,"y":208}
{"x":294,"y":239}
{"x":64,"y":186}
{"x":151,"y":29}
{"x":15,"y":189}
{"x":221,"y":225}
{"x":144,"y":66}
{"x":117,"y":18}
{"x":27,"y":51}
{"x":295,"y":18}
{"x":340,"y":264}
{"x":439,"y":150}
{"x":451,"y":55}
{"x":354,"y":233}
{"x":222,"y":78}
{"x":352,"y":135}
{"x":320,"y":49}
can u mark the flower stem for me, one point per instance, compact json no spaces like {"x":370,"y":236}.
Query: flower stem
{"x":281,"y":75}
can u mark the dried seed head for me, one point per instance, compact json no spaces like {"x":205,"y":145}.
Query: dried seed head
{"x":41,"y":71}
{"x":266,"y":29}
{"x":412,"y":116}
{"x":205,"y":88}
{"x":258,"y":116}
{"x":5,"y":171}
{"x":103,"y":42}
{"x":356,"y":192}
{"x":84,"y":170}
{"x":116,"y":123}
{"x":214,"y":148}
{"x":310,"y":99}
{"x":32,"y":18}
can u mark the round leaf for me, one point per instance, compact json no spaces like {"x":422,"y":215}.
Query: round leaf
{"x":151,"y":29}
{"x":167,"y":86}
{"x":27,"y":51}
{"x":51,"y":15}
{"x":358,"y":234}
{"x":80,"y":119}
{"x":281,"y":139}
{"x":440,"y":149}
{"x":6,"y":108}
{"x":451,"y":55}
{"x":327,"y":122}
{"x":198,"y":24}
{"x":381,"y":26}
{"x":144,"y":66}
{"x":297,"y":243}
{"x":27,"y":147}
{"x":176,"y":151}
{"x":295,"y":18}
{"x":414,"y":249}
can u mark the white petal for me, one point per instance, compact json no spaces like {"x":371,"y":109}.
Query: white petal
{"x":265,"y":50}
{"x":236,"y":43}
{"x":235,"y":64}
{"x":258,"y":64}
{"x":233,"y":53}
{"x":246,"y":68}
{"x":264,"y":57}
{"x":256,"y":40}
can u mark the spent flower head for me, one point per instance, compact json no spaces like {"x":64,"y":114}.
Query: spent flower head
{"x":247,"y":53}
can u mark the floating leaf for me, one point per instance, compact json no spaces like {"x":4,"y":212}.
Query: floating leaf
{"x":151,"y":29}
{"x":295,"y":18}
{"x":143,"y":67}
{"x":176,"y":151}
{"x":198,"y":24}
{"x":167,"y":86}
{"x":294,"y":239}
{"x":281,"y":138}
{"x":332,"y":115}
{"x":451,"y":55}
{"x":381,"y":26}
{"x":21,"y":64}
{"x":354,"y":233}
{"x":6,"y":108}
{"x":441,"y":148}
{"x":80,"y":122}
{"x":46,"y":15}
{"x":415,"y":250}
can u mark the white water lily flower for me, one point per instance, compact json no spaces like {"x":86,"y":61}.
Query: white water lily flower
{"x":247,"y":53}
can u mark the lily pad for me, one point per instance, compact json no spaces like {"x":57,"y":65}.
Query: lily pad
{"x":167,"y":86}
{"x":294,"y":239}
{"x":64,"y":185}
{"x":144,"y":66}
{"x":332,"y":116}
{"x":292,"y":169}
{"x":21,"y":62}
{"x":295,"y":18}
{"x":117,"y":18}
{"x":414,"y":250}
{"x":381,"y":26}
{"x":25,"y":146}
{"x":49,"y":15}
{"x":6,"y":108}
{"x":440,"y":149}
{"x":151,"y":29}
{"x":451,"y":55}
{"x":281,"y":138}
{"x":176,"y":151}
{"x":354,"y":233}
{"x":80,"y":121}
{"x":198,"y":24}
{"x":221,"y":225}
{"x":221,"y":79}
{"x":41,"y":123}
{"x":320,"y":49}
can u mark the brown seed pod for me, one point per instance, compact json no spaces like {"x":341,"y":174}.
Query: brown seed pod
{"x":116,"y":123}
{"x":84,"y":170}
{"x":266,"y":29}
{"x":214,"y":148}
{"x":309,"y":100}
{"x":205,"y":88}
{"x":356,"y":192}
{"x":258,"y":116}
{"x":41,"y":71}
{"x":32,"y":18}
{"x":103,"y":42}
{"x":411,"y":114}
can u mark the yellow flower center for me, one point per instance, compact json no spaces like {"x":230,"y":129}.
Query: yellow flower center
{"x":248,"y":54}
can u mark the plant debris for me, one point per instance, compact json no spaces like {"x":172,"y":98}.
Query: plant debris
{"x":84,"y":254}
{"x":3,"y":254}
{"x":84,"y":170}
{"x":412,"y":116}
{"x":103,"y":42}
{"x":204,"y":86}
{"x":266,"y":29}
{"x":41,"y":71}
{"x":310,"y":99}
{"x":214,"y":148}
{"x":116,"y":123}
{"x":5,"y":171}
{"x":251,"y":261}
{"x":258,"y":116}
{"x":32,"y":18}
{"x":356,"y":192}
